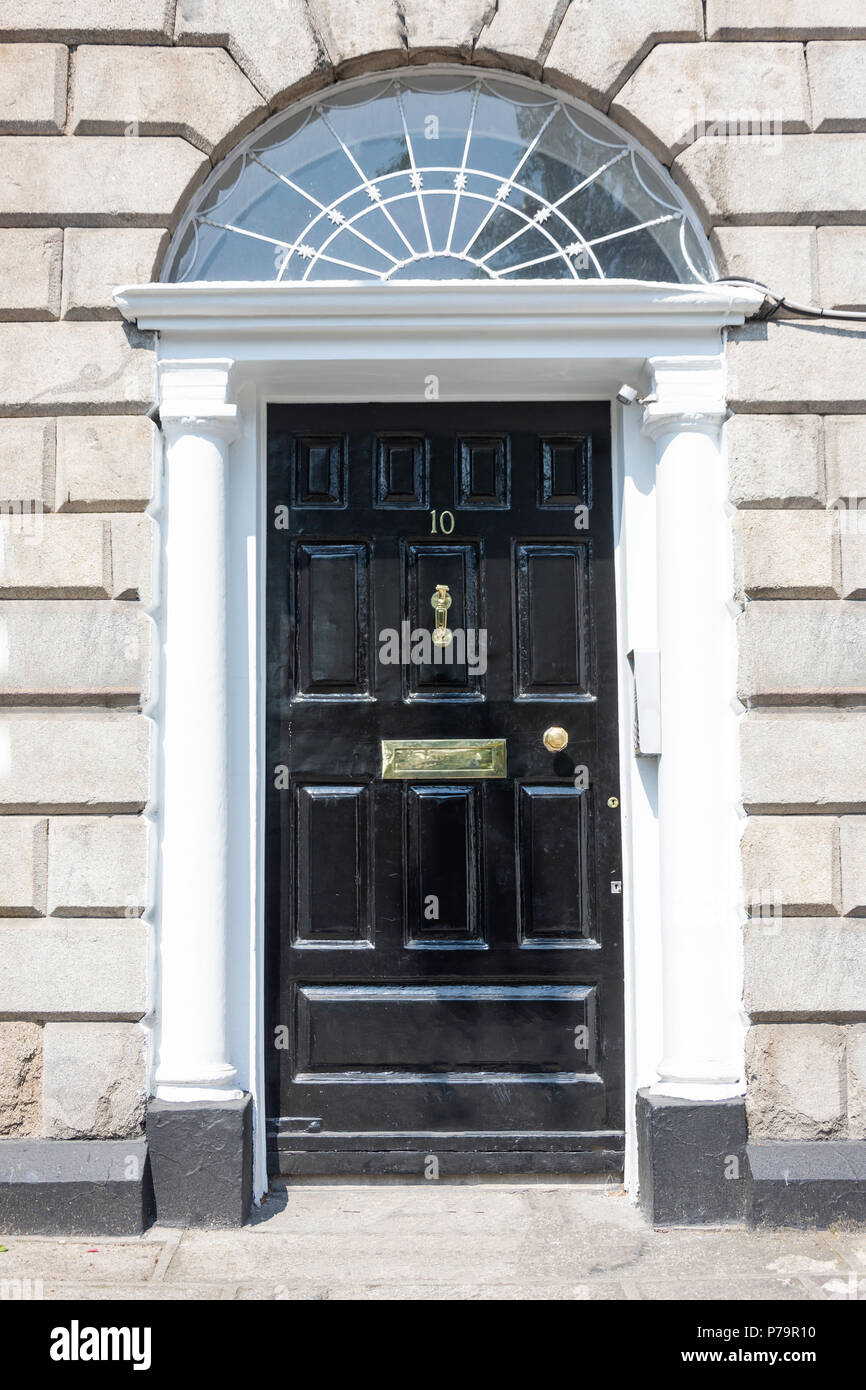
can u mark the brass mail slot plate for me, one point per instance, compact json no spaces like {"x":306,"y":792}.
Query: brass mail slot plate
{"x":434,"y":758}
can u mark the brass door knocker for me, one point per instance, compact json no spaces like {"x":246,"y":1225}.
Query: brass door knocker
{"x":441,"y":602}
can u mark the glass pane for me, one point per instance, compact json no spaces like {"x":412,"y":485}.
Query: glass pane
{"x":438,"y":175}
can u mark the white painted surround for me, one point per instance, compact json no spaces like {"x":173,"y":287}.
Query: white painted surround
{"x":225,"y":350}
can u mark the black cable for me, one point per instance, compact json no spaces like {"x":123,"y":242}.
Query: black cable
{"x":809,"y":311}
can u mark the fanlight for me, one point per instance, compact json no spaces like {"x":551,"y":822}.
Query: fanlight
{"x":438,"y":175}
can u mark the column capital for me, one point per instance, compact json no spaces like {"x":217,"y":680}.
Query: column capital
{"x":686,"y":393}
{"x":194,"y":398}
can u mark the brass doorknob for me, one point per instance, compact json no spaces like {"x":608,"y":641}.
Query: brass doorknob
{"x":555,"y":739}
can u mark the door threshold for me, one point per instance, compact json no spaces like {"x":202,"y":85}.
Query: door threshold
{"x":591,"y":1182}
{"x":441,"y":1163}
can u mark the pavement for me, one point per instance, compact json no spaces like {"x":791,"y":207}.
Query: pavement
{"x":472,"y":1239}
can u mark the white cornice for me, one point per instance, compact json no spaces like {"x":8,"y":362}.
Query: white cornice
{"x":610,"y":306}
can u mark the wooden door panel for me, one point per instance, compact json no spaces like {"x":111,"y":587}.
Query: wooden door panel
{"x":444,"y":865}
{"x":483,"y":471}
{"x":552,"y":621}
{"x":334,"y":902}
{"x":498,"y":1113}
{"x":458,"y":565}
{"x":564,"y":471}
{"x":402,"y":471}
{"x":554,"y":855}
{"x":459,"y":1032}
{"x":319,"y":471}
{"x":332,"y":620}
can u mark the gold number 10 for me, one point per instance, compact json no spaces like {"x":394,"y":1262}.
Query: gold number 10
{"x":446,"y":523}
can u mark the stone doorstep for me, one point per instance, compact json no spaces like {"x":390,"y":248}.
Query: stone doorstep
{"x":74,"y":1187}
{"x":104,"y":1187}
{"x":816,"y":1184}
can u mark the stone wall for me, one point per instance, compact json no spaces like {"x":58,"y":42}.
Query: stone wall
{"x":111,"y":114}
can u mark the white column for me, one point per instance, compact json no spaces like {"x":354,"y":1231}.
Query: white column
{"x":698,"y":771}
{"x":199,"y":425}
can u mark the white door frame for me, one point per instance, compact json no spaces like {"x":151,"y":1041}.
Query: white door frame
{"x":224,"y":352}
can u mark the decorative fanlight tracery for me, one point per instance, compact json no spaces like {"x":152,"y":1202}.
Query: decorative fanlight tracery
{"x":439,"y":175}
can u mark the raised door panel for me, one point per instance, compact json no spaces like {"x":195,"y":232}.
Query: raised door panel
{"x":332,"y":620}
{"x":483,"y":472}
{"x":554,"y":865}
{"x":402,"y":471}
{"x":334,"y":890}
{"x":455,"y":671}
{"x":320,"y":471}
{"x":564,"y":472}
{"x":552,"y":620}
{"x":454,"y":1031}
{"x":443,"y":858}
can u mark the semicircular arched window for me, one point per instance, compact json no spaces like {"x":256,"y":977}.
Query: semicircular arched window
{"x":439,"y":175}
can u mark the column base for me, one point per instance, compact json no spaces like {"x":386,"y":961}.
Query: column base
{"x":807,"y":1184}
{"x":691,"y":1160}
{"x":201,"y":1161}
{"x":71,"y":1187}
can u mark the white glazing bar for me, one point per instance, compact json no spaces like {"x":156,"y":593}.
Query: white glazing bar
{"x":369,"y":184}
{"x":463,"y":164}
{"x":512,"y":176}
{"x":552,"y":207}
{"x":416,"y":178}
{"x":324,"y":211}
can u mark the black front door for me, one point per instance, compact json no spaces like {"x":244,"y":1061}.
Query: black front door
{"x":444,"y":920}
